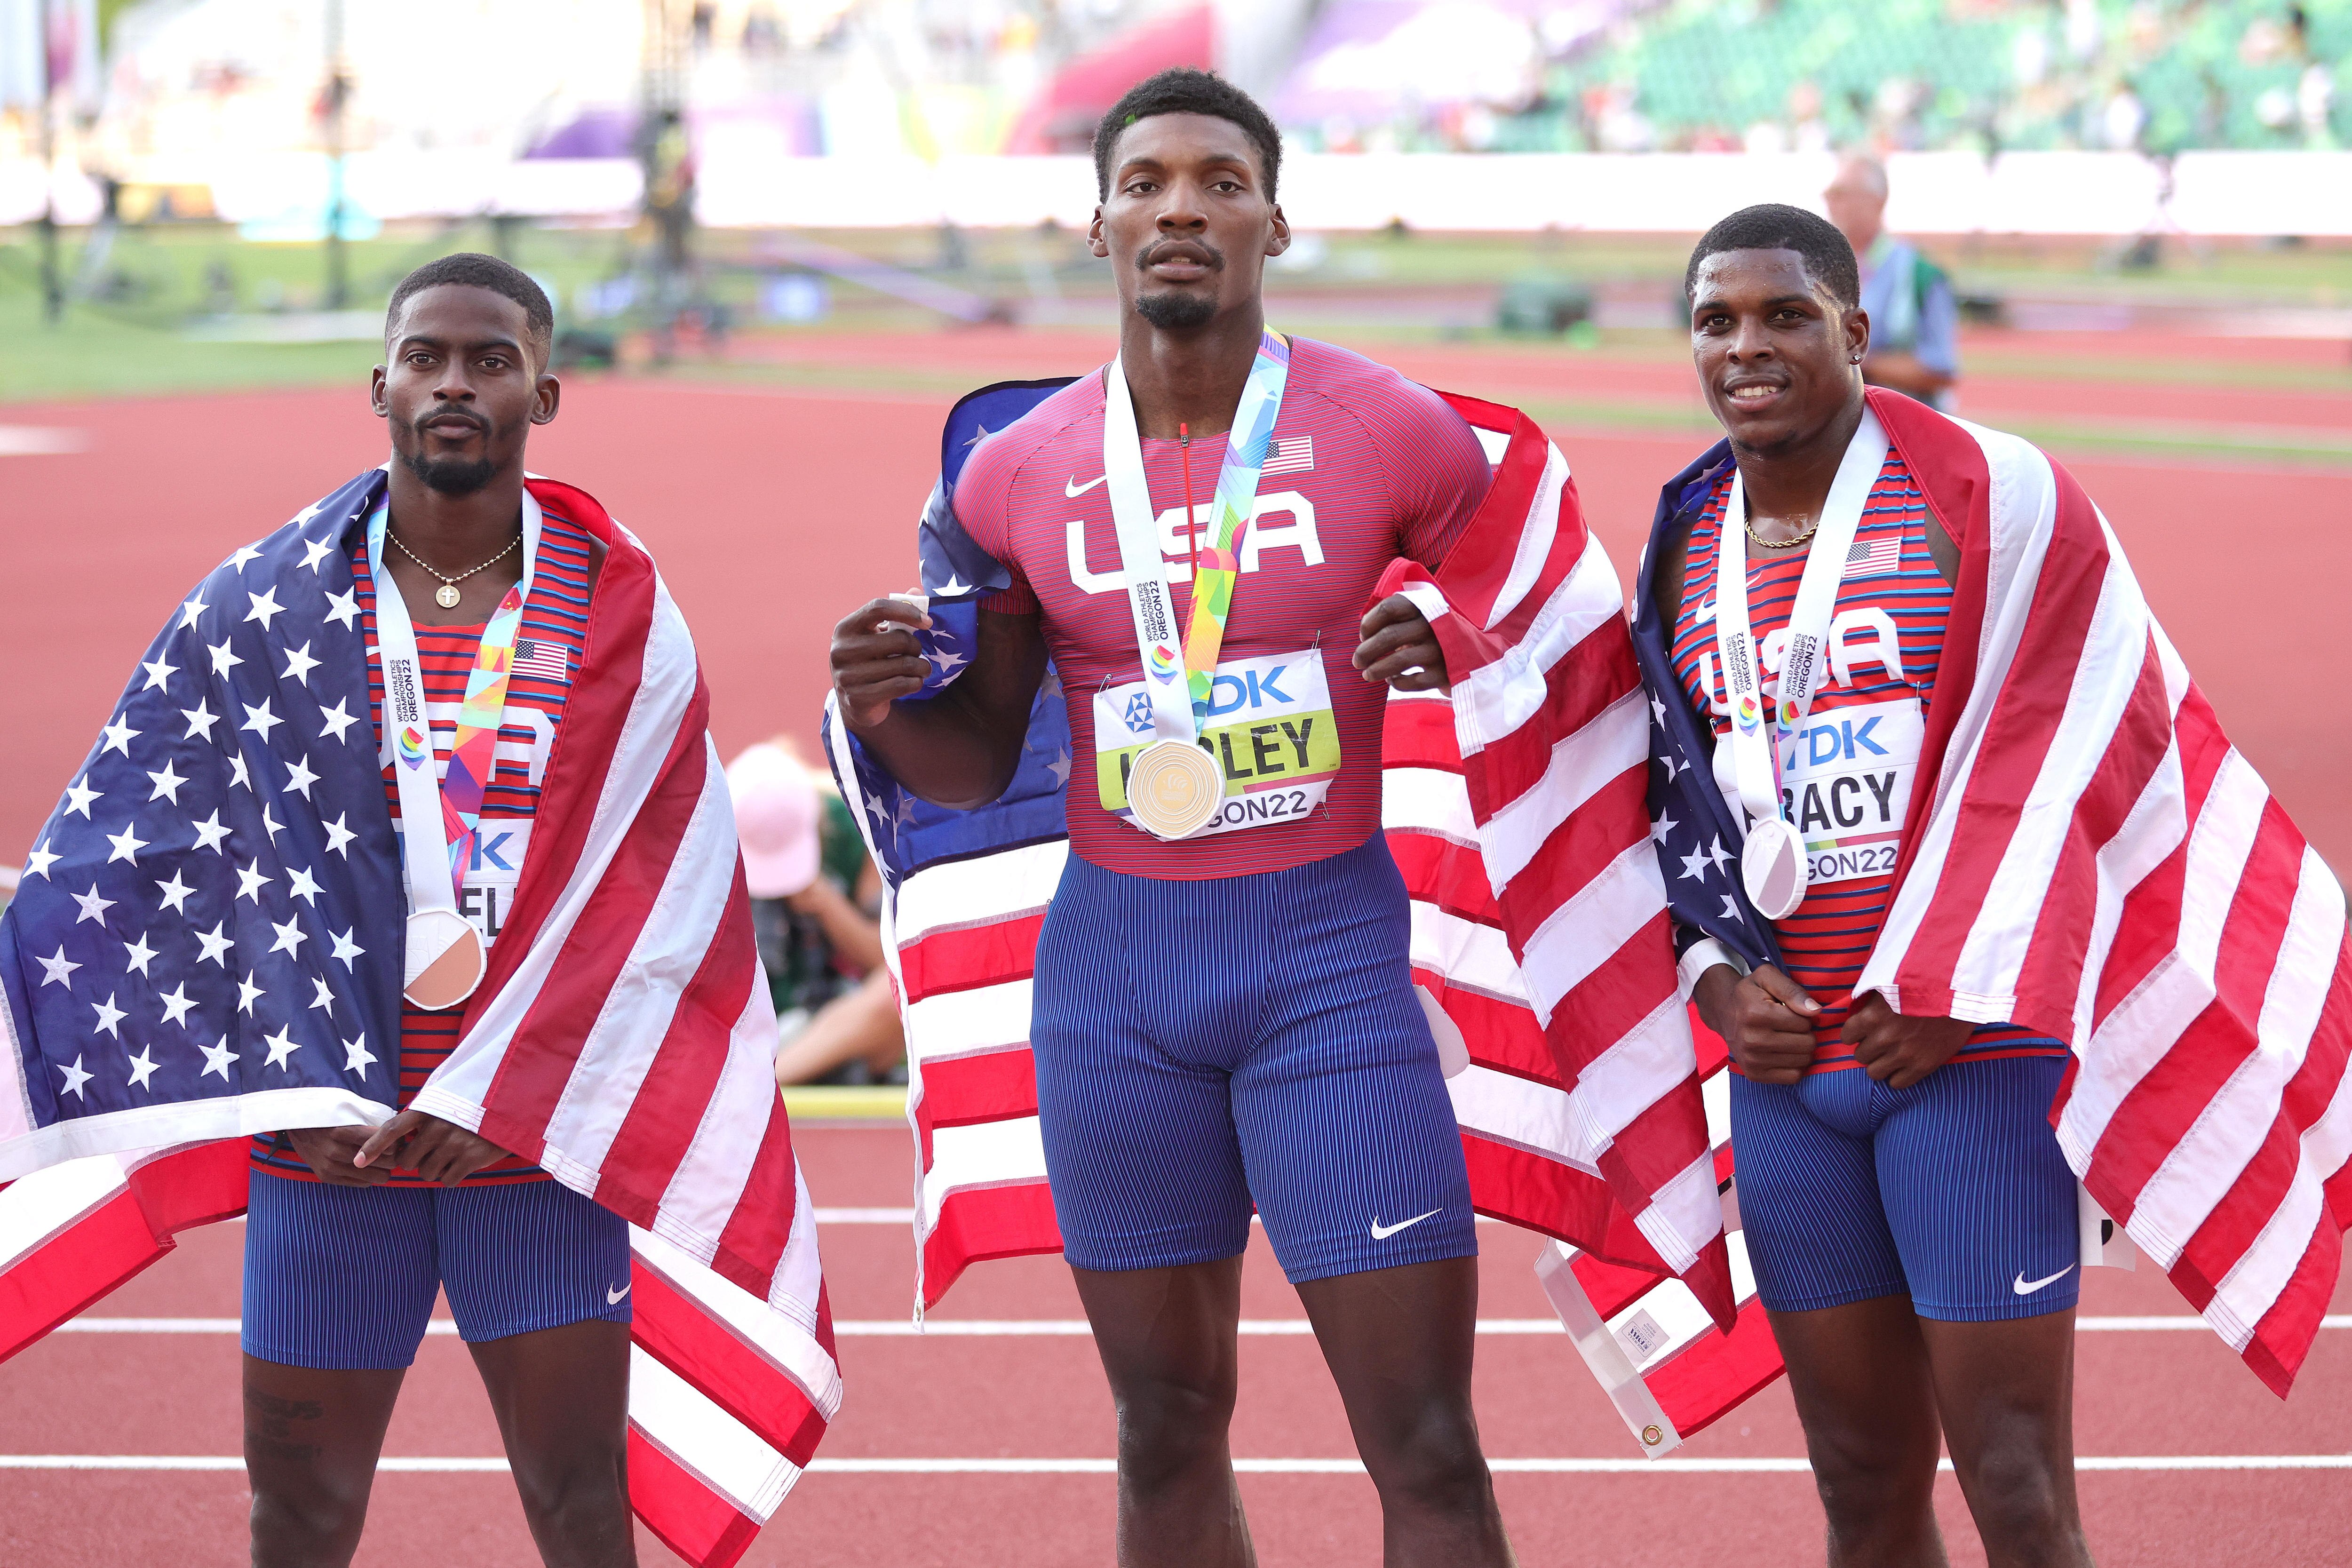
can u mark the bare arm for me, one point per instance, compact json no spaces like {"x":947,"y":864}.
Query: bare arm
{"x":1905,"y":372}
{"x":855,"y":936}
{"x":960,"y":748}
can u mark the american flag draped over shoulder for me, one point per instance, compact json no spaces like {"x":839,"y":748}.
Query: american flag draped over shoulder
{"x":207,"y":944}
{"x":1540,"y":931}
{"x":2097,"y":862}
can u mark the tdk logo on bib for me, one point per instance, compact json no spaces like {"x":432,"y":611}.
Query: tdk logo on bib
{"x":1845,"y":786}
{"x":487,"y":895}
{"x":1247,"y":687}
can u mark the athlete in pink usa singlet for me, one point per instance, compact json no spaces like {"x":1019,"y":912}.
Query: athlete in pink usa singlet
{"x":1364,"y":467}
{"x":1222,"y":1022}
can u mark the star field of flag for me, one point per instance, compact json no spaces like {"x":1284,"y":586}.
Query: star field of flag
{"x":908,"y":831}
{"x":212,"y":911}
{"x":1691,"y":825}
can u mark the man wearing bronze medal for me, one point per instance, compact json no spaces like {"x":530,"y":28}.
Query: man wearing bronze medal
{"x":1223,"y":1013}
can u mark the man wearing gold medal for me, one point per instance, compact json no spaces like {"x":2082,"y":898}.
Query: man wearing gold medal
{"x":1224,"y":1015}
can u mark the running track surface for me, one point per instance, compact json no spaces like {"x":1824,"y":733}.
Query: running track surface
{"x":1042,"y":1397}
{"x":772,"y":512}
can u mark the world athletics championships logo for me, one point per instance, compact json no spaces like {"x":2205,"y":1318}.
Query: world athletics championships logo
{"x":1746,"y":714}
{"x":411,"y":747}
{"x":1162,"y":662}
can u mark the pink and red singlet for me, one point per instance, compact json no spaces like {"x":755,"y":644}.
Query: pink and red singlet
{"x":1364,"y":467}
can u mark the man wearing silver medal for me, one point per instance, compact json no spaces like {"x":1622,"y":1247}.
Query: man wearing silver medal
{"x":1909,"y":1213}
{"x":1223,"y":1013}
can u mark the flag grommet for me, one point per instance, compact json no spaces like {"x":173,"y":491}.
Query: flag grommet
{"x":1652,"y":1437}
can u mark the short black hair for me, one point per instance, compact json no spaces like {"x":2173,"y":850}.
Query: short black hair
{"x":1181,"y":90}
{"x":1774,"y":226}
{"x":479,"y":271}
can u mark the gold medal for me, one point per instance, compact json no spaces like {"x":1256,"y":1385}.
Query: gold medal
{"x":1174,"y":788}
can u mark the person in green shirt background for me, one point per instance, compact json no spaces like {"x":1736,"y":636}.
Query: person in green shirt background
{"x":815,"y":895}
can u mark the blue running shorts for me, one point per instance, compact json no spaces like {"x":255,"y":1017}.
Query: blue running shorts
{"x":1952,"y":1191}
{"x":1202,"y":1044}
{"x":344,"y":1277}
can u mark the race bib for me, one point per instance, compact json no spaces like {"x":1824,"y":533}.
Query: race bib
{"x":1269,"y":729}
{"x":1845,"y":786}
{"x":488,"y":893}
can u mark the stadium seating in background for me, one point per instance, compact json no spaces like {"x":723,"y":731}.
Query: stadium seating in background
{"x":2156,"y":76}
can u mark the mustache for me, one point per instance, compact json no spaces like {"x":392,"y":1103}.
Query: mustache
{"x":435,"y":416}
{"x":1158,"y":249}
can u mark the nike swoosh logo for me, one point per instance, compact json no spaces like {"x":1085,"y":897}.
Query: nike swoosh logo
{"x":1075,"y":490}
{"x":2022,"y":1289}
{"x":613,"y":1296}
{"x":1382,"y":1232}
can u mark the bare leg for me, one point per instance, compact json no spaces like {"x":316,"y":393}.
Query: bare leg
{"x":1166,"y":1337}
{"x":1399,"y":1341}
{"x":311,"y":1438}
{"x":562,"y":1401}
{"x":2007,"y":1392}
{"x":1860,"y":1374}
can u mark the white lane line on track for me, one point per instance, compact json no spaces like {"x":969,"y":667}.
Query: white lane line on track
{"x":1076,"y":1327}
{"x":946,"y":1466}
{"x":907,"y":1217}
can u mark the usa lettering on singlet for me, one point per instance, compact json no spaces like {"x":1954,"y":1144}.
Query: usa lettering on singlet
{"x":1847,"y":774}
{"x":1363,"y":466}
{"x":547,"y":651}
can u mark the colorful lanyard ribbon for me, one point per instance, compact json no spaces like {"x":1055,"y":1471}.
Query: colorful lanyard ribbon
{"x":1218,"y":558}
{"x":473,"y":754}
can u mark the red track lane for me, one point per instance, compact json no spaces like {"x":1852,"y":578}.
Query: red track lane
{"x":1512,"y":372}
{"x":956,"y":1396}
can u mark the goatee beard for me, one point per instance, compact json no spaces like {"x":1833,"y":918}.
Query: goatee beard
{"x":1176,"y":312}
{"x":451,"y":476}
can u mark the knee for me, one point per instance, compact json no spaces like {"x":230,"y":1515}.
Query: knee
{"x":1167,"y":1427}
{"x":1431,"y":1460}
{"x":2022,"y":1502}
{"x":307,"y":1520}
{"x":580,"y":1497}
{"x":1867,"y":1485}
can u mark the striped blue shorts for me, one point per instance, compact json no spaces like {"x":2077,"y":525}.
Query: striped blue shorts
{"x":344,"y":1277}
{"x":1200,"y":1045}
{"x":1952,"y":1191}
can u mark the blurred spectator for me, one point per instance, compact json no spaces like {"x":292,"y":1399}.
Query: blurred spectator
{"x":763,"y":35}
{"x":1914,"y":318}
{"x":814,"y":894}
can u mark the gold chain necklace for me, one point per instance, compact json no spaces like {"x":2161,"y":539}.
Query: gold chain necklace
{"x":445,"y":595}
{"x":1760,"y":541}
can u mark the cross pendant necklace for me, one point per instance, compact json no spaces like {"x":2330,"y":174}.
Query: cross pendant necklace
{"x":445,"y":595}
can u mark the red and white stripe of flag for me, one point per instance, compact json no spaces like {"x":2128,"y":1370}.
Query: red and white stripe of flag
{"x":2107,"y":868}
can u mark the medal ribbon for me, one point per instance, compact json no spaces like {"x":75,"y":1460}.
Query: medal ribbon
{"x":1218,"y":557}
{"x":472,"y":754}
